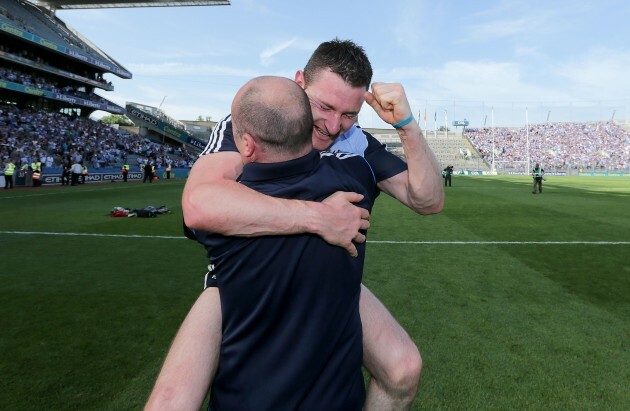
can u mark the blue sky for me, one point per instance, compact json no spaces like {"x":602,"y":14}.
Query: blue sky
{"x":511,"y":61}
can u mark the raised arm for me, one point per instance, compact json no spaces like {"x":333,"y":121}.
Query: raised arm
{"x":214,"y":201}
{"x":420,"y":187}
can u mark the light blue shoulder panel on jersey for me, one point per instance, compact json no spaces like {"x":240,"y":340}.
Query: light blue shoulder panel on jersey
{"x":352,"y":141}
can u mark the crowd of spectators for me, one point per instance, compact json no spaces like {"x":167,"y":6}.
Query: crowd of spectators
{"x":40,"y":62}
{"x":32,"y":79}
{"x":558,"y":146}
{"x":53,"y":138}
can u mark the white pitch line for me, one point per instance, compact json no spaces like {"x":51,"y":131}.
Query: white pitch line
{"x":505,"y":242}
{"x":92,"y":235}
{"x":167,"y":237}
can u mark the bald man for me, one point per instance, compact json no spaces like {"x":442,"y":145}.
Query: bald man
{"x":292,"y":335}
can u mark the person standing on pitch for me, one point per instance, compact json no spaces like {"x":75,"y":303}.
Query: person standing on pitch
{"x":336,"y":80}
{"x":76,"y":171}
{"x":448,"y":173}
{"x":537,"y":174}
{"x":125,"y":172}
{"x":148,"y":172}
{"x":9,"y":170}
{"x":84,"y":174}
{"x":65,"y":172}
{"x":36,"y":166}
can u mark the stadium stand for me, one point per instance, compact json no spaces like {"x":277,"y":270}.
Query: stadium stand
{"x":28,"y":134}
{"x":601,"y":146}
{"x":557,"y":146}
{"x":449,"y":148}
{"x":156,"y":125}
{"x":48,"y":77}
{"x":45,"y":64}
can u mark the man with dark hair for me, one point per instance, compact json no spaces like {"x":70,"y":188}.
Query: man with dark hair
{"x":336,"y":80}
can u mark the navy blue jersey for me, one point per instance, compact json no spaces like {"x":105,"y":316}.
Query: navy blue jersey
{"x":292,"y":336}
{"x":355,"y":140}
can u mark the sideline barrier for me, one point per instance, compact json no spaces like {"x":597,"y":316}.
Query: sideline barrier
{"x":603,"y":174}
{"x":53,"y":176}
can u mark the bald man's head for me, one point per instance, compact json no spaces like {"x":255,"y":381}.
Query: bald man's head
{"x":276,"y":112}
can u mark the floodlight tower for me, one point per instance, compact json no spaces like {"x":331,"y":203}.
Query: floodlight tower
{"x":492,"y":125}
{"x":527,"y":139}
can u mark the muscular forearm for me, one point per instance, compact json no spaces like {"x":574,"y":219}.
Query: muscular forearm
{"x":424,"y":193}
{"x":419,"y":188}
{"x":214,"y":201}
{"x":229,"y":208}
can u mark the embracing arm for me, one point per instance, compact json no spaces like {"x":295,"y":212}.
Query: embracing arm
{"x":191,"y":362}
{"x":214,"y":201}
{"x":420,"y":187}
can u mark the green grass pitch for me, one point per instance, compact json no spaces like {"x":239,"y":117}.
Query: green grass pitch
{"x":517,"y":301}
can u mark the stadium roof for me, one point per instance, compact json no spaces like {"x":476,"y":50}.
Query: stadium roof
{"x":96,"y":4}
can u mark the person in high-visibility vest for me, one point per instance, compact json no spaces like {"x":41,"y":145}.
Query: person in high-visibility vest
{"x":153,"y":174}
{"x":36,"y":178}
{"x":168,"y":171}
{"x":36,"y":166}
{"x":9,"y":169}
{"x":537,"y":174}
{"x":25,"y":171}
{"x":83,"y":174}
{"x":125,"y":171}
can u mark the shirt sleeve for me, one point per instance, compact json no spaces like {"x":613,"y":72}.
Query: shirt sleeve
{"x":366,"y":178}
{"x":222,"y":138}
{"x":383,"y":163}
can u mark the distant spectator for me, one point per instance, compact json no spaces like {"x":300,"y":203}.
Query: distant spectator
{"x":76,"y":171}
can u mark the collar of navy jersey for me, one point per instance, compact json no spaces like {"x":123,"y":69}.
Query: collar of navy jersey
{"x":268,"y":171}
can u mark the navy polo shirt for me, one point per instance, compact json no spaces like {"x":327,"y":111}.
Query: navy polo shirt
{"x":292,"y":335}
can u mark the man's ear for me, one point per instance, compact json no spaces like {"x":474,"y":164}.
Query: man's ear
{"x":299,"y":78}
{"x":249,"y":146}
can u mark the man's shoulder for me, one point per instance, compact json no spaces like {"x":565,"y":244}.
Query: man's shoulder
{"x":384,"y":163}
{"x":355,"y":140}
{"x":221,"y":138}
{"x":342,"y":158}
{"x":349,"y":164}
